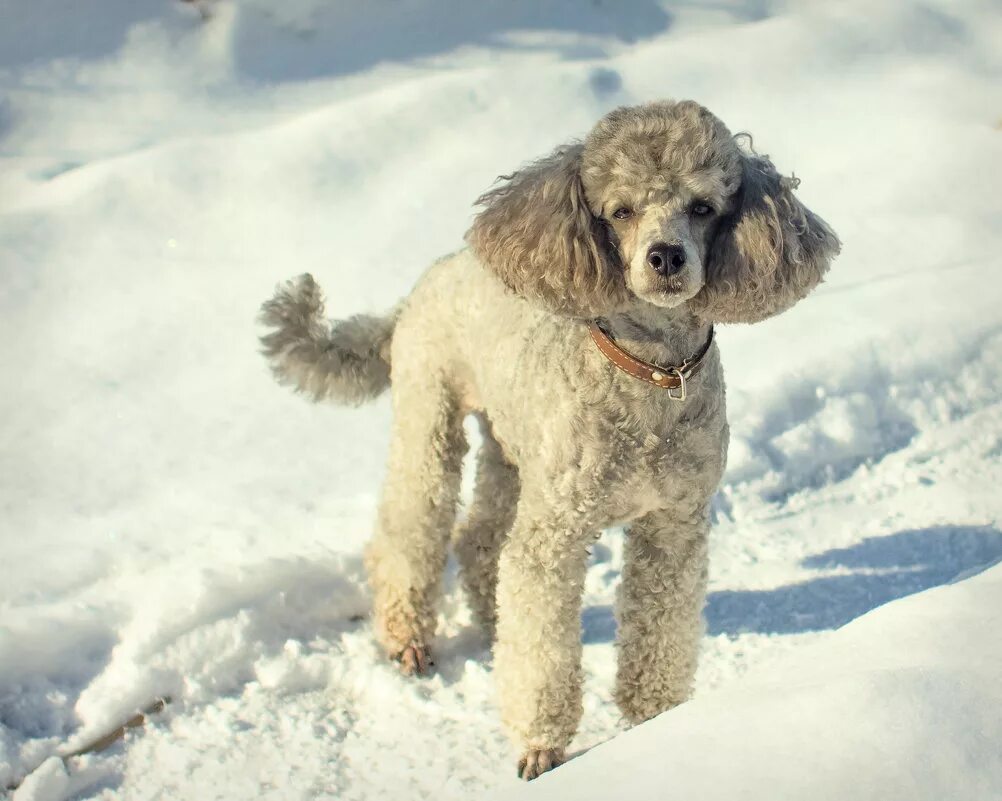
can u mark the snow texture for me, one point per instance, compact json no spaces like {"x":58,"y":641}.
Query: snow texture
{"x":173,"y":523}
{"x":902,"y":703}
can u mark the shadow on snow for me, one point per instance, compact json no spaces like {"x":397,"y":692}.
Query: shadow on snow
{"x":881,"y":569}
{"x":331,"y":39}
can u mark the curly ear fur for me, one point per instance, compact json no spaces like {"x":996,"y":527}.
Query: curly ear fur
{"x":539,"y":236}
{"x":768,"y":255}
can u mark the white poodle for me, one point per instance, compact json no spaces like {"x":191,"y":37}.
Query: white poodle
{"x":578,"y":328}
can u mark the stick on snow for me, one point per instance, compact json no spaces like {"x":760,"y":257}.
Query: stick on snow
{"x":107,"y":740}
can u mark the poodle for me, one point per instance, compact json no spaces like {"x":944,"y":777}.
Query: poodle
{"x":577,"y":328}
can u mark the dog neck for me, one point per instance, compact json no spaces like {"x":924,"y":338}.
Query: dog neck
{"x":661,"y":336}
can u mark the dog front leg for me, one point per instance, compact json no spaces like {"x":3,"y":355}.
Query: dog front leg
{"x":659,"y":612}
{"x":537,"y":654}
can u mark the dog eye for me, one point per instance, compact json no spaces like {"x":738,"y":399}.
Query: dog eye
{"x":702,"y":209}
{"x":622,"y":213}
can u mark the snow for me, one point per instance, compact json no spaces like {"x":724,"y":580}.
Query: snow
{"x":175,"y":524}
{"x":902,"y":703}
{"x":48,"y":783}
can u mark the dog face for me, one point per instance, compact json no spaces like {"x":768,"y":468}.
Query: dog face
{"x":658,"y":206}
{"x":662,"y":235}
{"x":661,"y":177}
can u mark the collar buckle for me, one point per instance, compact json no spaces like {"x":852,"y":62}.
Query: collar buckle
{"x":678,"y":394}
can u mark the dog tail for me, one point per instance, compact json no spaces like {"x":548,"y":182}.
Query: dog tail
{"x":346,"y":362}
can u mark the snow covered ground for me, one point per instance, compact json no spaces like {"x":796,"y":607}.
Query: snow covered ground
{"x":173,"y":523}
{"x":900,"y":704}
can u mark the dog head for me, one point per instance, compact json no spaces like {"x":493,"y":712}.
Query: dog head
{"x":658,"y":206}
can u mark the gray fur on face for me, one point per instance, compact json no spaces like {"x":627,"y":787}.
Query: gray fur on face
{"x":550,"y":232}
{"x":571,"y":445}
{"x":769,"y":254}
{"x":539,"y":236}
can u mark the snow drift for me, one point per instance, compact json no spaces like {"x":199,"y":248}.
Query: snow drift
{"x":902,"y":703}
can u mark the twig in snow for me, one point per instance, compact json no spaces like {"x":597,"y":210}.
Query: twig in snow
{"x":106,"y":740}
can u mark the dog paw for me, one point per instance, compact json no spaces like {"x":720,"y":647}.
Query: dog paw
{"x":535,"y":763}
{"x":414,"y":660}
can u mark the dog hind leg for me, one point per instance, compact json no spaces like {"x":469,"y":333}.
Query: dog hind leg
{"x":406,"y":557}
{"x":477,"y":540}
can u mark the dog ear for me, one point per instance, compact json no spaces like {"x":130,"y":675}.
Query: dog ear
{"x":538,"y":235}
{"x":769,"y":254}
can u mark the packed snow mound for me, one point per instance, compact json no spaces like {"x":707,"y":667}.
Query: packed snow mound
{"x":902,"y":703}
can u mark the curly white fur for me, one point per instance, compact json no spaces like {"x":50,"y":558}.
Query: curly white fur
{"x":348,"y":362}
{"x":571,"y":444}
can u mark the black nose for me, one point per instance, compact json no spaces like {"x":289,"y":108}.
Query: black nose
{"x":666,"y":259}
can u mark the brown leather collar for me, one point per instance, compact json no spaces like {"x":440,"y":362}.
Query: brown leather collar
{"x":671,"y":378}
